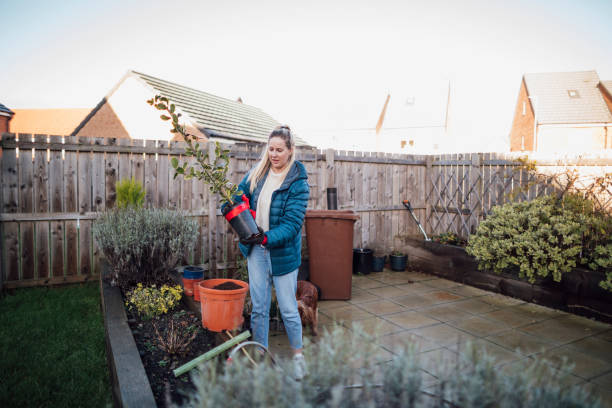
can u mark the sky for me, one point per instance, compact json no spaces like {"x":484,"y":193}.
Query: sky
{"x":320,"y":66}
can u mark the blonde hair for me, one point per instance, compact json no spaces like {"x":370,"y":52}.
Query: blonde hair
{"x":262,"y":167}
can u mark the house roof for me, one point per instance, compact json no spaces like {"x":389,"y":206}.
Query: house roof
{"x":215,"y":116}
{"x":553,"y":103}
{"x":4,"y":111}
{"x":47,"y":121}
{"x":608,"y":86}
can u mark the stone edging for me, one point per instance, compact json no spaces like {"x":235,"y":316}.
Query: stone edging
{"x":129,"y":380}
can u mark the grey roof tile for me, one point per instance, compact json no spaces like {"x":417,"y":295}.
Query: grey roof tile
{"x":4,"y":109}
{"x":214,"y":115}
{"x":553,"y":104}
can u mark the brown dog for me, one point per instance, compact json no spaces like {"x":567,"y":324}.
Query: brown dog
{"x":307,"y":296}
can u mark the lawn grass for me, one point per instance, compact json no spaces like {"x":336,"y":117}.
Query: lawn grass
{"x":52,"y":351}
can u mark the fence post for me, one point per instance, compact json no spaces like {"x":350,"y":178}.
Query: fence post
{"x":428,"y":192}
{"x":212,"y":223}
{"x":330,"y":179}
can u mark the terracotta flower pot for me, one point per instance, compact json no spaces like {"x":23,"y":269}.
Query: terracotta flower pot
{"x":222,"y":309}
{"x":188,"y":285}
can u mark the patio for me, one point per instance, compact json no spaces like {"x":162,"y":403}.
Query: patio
{"x":438,"y":316}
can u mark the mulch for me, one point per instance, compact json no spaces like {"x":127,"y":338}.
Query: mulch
{"x":158,"y":363}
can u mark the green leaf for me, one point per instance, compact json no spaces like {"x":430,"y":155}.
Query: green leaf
{"x":164,"y":117}
{"x":172,"y":107}
{"x":174,"y":162}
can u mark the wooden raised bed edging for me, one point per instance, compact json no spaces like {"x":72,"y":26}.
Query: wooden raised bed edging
{"x":129,"y":380}
{"x":578,"y":292}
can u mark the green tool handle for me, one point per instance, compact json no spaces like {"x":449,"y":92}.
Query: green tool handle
{"x":212,"y":353}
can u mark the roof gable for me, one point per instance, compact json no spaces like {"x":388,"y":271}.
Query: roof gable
{"x":215,"y":116}
{"x":6,"y":111}
{"x":567,"y":97}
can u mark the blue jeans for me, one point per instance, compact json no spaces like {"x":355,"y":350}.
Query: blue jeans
{"x":260,"y":288}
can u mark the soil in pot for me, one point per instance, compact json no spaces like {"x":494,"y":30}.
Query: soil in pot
{"x":227,"y":286}
{"x":158,"y":363}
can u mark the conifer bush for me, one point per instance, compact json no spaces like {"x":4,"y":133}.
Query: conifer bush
{"x":130,"y":193}
{"x":143,"y":245}
{"x":546,"y":236}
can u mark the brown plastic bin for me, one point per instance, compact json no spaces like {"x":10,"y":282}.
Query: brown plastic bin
{"x":329,"y":234}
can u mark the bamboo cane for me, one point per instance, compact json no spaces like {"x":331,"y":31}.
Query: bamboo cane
{"x":246,"y":353}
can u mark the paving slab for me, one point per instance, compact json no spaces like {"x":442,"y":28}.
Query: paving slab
{"x":415,"y":287}
{"x":584,"y":366}
{"x":347,"y":313}
{"x":498,"y":353}
{"x":594,"y":347}
{"x":442,"y":283}
{"x":561,"y":331}
{"x":438,"y":362}
{"x":366,"y":283}
{"x":443,"y":334}
{"x":388,"y":292}
{"x":441,"y":296}
{"x":376,"y":326}
{"x":468,"y":291}
{"x":395,"y":342}
{"x":479,"y":326}
{"x":411,"y":320}
{"x":520,"y":342}
{"x":512,"y":318}
{"x":445,"y":313}
{"x":382,"y":307}
{"x":361,"y":295}
{"x":495,"y":299}
{"x":474,"y":306}
{"x":415,"y":301}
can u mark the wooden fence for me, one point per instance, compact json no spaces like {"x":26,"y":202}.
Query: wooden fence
{"x":54,"y":187}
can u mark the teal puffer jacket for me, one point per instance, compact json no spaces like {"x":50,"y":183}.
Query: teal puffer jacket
{"x":287,"y":212}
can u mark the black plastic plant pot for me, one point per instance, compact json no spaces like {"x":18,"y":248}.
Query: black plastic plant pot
{"x":362,"y":260}
{"x":378,"y":263}
{"x":398,"y":262}
{"x":241,"y":220}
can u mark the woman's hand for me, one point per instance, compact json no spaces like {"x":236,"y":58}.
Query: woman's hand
{"x":257,"y":239}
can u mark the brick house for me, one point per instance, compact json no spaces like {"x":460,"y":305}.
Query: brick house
{"x":124,"y":113}
{"x":47,"y":121}
{"x":5,"y":117}
{"x":563,"y":112}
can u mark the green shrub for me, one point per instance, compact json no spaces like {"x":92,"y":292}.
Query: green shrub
{"x":151,"y":302}
{"x":343,"y":371}
{"x":143,"y":245}
{"x":545,"y":236}
{"x":129,"y":193}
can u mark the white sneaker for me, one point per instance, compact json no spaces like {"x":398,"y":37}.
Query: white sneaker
{"x":299,"y":366}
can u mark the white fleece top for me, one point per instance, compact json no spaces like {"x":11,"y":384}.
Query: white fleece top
{"x":273,"y":182}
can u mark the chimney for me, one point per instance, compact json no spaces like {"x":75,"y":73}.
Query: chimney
{"x":239,"y":100}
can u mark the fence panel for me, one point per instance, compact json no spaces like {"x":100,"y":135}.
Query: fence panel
{"x":53,"y":189}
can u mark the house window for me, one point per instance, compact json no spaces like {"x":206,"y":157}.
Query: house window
{"x":573,"y":93}
{"x":411,"y":142}
{"x":524,"y":108}
{"x":403,"y":144}
{"x":522,"y":142}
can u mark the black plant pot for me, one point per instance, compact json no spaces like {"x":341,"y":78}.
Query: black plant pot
{"x":398,"y":262}
{"x":362,"y":260}
{"x":241,"y":220}
{"x":378,"y":263}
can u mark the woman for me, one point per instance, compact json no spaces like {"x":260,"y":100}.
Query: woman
{"x":278,"y":191}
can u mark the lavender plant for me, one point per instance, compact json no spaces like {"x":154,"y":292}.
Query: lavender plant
{"x":143,"y":245}
{"x":344,"y":371}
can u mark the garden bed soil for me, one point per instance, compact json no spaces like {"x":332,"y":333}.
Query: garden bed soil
{"x":578,"y":292}
{"x":158,"y":363}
